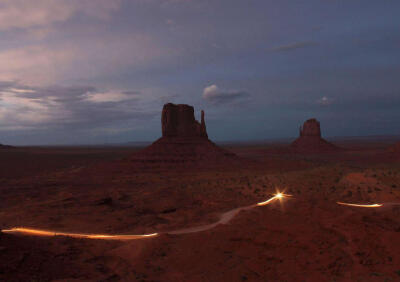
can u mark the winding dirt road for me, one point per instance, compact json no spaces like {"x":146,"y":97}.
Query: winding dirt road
{"x":225,"y":218}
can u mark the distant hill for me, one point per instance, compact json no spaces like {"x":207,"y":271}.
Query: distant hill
{"x":5,"y":146}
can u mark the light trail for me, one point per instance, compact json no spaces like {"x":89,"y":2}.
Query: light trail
{"x":224,"y":219}
{"x":268,"y":201}
{"x":360,"y":206}
{"x":45,"y":233}
{"x":278,"y":196}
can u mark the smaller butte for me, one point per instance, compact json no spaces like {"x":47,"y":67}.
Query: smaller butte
{"x":184,"y":141}
{"x":310,"y":140}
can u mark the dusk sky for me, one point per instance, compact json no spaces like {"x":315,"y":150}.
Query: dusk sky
{"x":99,"y":71}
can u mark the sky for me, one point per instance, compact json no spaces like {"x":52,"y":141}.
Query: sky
{"x":99,"y":71}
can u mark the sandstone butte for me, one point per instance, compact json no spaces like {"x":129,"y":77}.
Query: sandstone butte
{"x":310,"y":140}
{"x":184,"y":140}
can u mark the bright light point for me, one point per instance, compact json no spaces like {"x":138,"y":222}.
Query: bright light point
{"x":279,"y":195}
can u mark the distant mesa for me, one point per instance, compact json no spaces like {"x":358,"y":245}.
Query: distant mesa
{"x":5,"y":146}
{"x":184,"y":140}
{"x":310,"y":140}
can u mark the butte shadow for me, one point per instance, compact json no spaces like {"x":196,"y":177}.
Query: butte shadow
{"x":184,"y":141}
{"x":310,"y":140}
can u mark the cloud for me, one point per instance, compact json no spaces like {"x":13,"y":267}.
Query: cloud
{"x":294,"y":46}
{"x":25,"y":14}
{"x":44,"y":64}
{"x":24,"y":107}
{"x":34,"y":64}
{"x":110,"y":97}
{"x":325,"y":101}
{"x":215,"y":95}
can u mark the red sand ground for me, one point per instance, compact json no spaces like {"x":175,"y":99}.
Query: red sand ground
{"x":395,"y":148}
{"x":313,"y":144}
{"x":101,"y":190}
{"x":168,"y":151}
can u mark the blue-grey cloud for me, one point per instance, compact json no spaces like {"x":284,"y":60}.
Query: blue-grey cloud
{"x":325,"y":101}
{"x":216,"y":95}
{"x":294,"y":46}
{"x":54,"y":107}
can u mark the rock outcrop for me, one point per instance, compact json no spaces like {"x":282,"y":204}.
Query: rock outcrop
{"x":184,"y":140}
{"x":310,"y":140}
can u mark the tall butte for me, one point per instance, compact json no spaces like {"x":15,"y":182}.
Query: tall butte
{"x":184,"y":140}
{"x":310,"y":140}
{"x":179,"y":121}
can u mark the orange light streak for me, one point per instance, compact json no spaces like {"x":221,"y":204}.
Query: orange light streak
{"x":360,"y":206}
{"x":45,"y":233}
{"x":278,"y":195}
{"x":267,"y":201}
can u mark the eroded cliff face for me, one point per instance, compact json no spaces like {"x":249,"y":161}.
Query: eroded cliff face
{"x":179,"y":121}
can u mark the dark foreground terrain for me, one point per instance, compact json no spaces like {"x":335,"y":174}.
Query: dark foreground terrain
{"x":307,"y":237}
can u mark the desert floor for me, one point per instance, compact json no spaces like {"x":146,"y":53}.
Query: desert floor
{"x":306,"y":237}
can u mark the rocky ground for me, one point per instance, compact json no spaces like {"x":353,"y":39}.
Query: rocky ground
{"x":305,"y":238}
